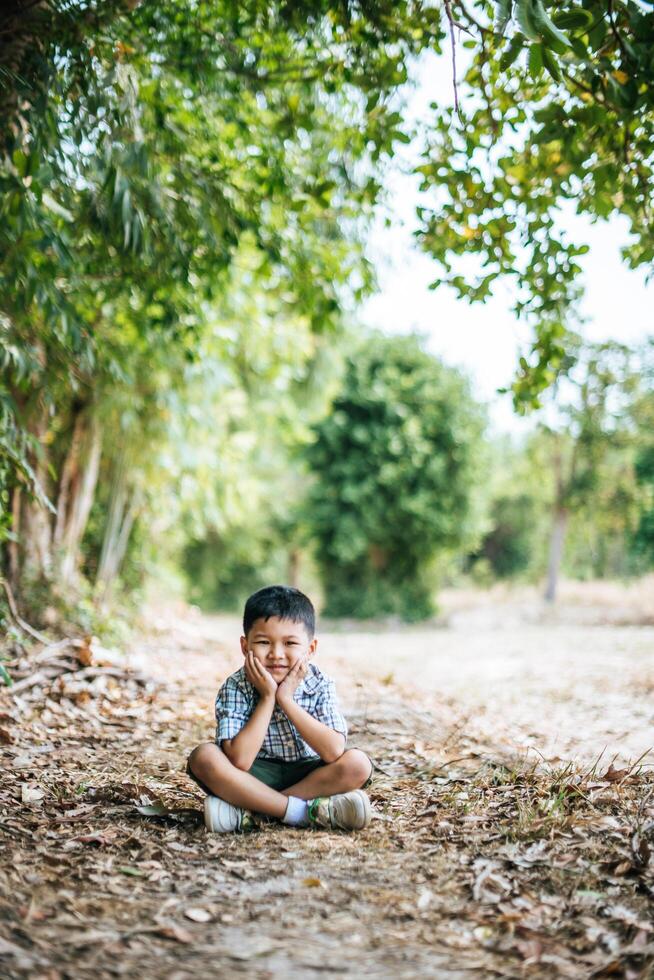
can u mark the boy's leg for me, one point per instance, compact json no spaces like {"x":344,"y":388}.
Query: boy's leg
{"x":212,"y":767}
{"x":351,"y":771}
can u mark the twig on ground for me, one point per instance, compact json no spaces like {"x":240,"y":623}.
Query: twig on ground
{"x":38,"y":678}
{"x":51,"y":648}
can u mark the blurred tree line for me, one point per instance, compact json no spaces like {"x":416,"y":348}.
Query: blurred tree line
{"x":184,"y":195}
{"x":398,"y":488}
{"x":577,"y":494}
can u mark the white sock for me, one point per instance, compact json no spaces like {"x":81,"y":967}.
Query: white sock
{"x":297,"y":812}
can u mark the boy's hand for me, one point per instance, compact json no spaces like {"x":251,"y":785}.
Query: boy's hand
{"x":259,"y":677}
{"x":292,"y":681}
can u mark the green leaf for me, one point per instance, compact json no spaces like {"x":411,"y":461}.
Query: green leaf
{"x":535,"y":60}
{"x":5,"y":676}
{"x":21,"y":162}
{"x":502,"y":15}
{"x":133,"y":872}
{"x":573,"y":19}
{"x":579,"y":47}
{"x":524,"y":16}
{"x":551,"y":65}
{"x":53,"y":205}
{"x":546,"y":27}
{"x":512,"y":52}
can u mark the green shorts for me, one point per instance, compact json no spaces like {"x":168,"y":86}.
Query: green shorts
{"x":280,"y":775}
{"x":277,"y":773}
{"x":273,"y":772}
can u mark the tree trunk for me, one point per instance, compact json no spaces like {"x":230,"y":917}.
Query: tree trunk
{"x":83,"y":485}
{"x":12,"y":545}
{"x":121,"y":542}
{"x":294,"y":567}
{"x":120,"y":520}
{"x":35,"y":515}
{"x":69,"y":476}
{"x":557,"y":540}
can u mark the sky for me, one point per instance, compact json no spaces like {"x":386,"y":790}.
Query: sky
{"x":486,"y":340}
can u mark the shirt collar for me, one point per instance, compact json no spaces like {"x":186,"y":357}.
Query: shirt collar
{"x":311,"y":681}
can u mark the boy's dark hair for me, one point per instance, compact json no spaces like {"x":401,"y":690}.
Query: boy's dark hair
{"x":281,"y":601}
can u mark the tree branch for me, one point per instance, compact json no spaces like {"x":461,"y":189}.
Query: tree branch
{"x":20,"y":622}
{"x":457,"y":107}
{"x":615,"y":31}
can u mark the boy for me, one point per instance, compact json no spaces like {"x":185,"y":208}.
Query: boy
{"x":280,"y":737}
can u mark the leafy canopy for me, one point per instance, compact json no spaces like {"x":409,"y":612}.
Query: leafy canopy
{"x":555,"y":115}
{"x":144,"y":146}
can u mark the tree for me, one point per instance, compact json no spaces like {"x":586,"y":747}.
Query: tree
{"x":642,"y":537}
{"x":394,"y":466}
{"x":591,"y":420}
{"x":145,"y":149}
{"x":555,"y":112}
{"x":556,"y":107}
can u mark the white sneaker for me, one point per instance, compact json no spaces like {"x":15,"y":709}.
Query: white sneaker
{"x":343,"y":811}
{"x":221,"y":817}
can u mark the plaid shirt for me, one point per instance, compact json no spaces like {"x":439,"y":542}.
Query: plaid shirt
{"x":237,"y":699}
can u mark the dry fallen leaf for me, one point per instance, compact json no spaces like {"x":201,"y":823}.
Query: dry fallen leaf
{"x":313,"y":883}
{"x":171,"y":930}
{"x":531,"y":949}
{"x":31,"y":794}
{"x":640,"y":849}
{"x":102,"y":839}
{"x":198,"y":915}
{"x":84,"y":653}
{"x":614,"y":775}
{"x":425,"y":899}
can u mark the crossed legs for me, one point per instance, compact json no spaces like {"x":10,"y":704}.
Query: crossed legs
{"x":210,"y":765}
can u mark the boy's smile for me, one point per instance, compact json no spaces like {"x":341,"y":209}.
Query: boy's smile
{"x":277,"y":644}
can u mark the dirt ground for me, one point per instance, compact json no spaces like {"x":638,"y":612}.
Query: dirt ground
{"x":514,"y":818}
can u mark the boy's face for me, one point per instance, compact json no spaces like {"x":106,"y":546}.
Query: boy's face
{"x":277,"y":644}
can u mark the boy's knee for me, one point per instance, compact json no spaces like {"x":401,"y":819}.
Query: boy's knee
{"x":357,"y":765}
{"x":207,"y":754}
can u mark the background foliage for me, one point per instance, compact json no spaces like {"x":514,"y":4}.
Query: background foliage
{"x":395,"y":466}
{"x":555,"y":115}
{"x":185,"y":195}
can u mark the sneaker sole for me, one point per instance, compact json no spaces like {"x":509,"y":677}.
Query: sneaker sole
{"x":210,"y":823}
{"x":366,"y":808}
{"x":362,"y":810}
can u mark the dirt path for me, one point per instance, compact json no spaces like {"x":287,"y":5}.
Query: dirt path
{"x":480,"y":861}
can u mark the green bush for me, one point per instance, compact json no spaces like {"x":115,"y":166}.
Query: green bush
{"x":508,"y":547}
{"x":224,"y":569}
{"x":394,"y":467}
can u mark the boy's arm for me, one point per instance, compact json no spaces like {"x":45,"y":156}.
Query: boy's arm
{"x":242,"y":748}
{"x":326,"y":741}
